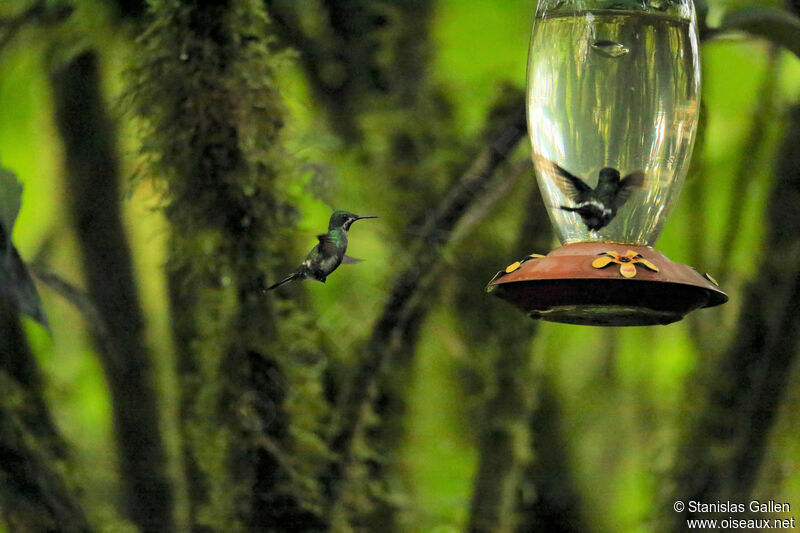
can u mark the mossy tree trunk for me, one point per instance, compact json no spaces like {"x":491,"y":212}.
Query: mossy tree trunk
{"x":204,"y":83}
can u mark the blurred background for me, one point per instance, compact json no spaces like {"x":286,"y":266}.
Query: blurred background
{"x":180,"y":156}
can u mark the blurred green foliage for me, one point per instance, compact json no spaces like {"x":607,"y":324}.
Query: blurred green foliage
{"x":624,"y":392}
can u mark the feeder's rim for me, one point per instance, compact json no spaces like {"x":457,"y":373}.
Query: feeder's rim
{"x":605,"y":242}
{"x":615,"y":243}
{"x":577,"y":261}
{"x":595,"y":283}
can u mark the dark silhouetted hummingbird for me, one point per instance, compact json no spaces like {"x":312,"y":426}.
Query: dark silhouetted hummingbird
{"x":597,"y":207}
{"x":328,"y":253}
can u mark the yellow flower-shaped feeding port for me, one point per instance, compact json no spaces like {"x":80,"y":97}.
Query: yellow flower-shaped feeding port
{"x":627,"y":263}
{"x":516,"y":264}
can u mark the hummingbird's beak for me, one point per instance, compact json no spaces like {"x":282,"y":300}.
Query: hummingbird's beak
{"x":361,"y":218}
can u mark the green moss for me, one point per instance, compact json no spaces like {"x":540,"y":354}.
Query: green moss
{"x":203,"y":87}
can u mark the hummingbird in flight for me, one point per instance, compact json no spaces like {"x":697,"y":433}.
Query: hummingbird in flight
{"x":328,"y":253}
{"x":597,"y":207}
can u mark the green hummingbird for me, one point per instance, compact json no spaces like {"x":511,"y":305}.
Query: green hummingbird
{"x":328,"y":253}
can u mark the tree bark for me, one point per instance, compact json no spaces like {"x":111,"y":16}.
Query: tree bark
{"x":548,"y":497}
{"x":93,"y":201}
{"x":504,"y":439}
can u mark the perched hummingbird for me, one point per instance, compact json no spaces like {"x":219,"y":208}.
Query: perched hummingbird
{"x":597,"y":207}
{"x":328,"y":253}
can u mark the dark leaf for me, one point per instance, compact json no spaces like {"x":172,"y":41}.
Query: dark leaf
{"x":16,"y":285}
{"x":10,"y":202}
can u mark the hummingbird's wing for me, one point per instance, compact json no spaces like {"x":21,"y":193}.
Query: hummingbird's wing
{"x":572,"y":186}
{"x":347,"y":260}
{"x":326,"y":245}
{"x":631,"y":182}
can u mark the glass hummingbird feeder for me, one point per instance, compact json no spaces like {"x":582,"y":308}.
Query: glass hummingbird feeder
{"x":612,"y":102}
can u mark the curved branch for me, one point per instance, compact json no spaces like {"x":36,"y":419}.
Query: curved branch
{"x":400,"y":306}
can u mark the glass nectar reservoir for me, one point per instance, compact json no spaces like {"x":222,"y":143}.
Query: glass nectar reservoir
{"x":618,"y":88}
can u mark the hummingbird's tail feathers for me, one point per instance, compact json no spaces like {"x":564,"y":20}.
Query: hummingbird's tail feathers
{"x":347,"y":260}
{"x":291,"y":277}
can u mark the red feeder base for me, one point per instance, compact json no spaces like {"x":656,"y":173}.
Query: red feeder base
{"x":605,"y":284}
